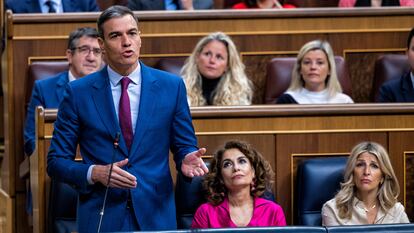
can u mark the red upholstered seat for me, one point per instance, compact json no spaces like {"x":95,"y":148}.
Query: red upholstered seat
{"x":387,"y":67}
{"x":39,"y":70}
{"x":279,"y":73}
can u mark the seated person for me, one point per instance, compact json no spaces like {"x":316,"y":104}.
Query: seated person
{"x":262,"y":4}
{"x":238,"y":176}
{"x":151,"y":5}
{"x":401,"y":89}
{"x":214,"y":73}
{"x":51,"y":6}
{"x":84,"y":57}
{"x":369,"y":192}
{"x":314,"y":78}
{"x":374,"y":3}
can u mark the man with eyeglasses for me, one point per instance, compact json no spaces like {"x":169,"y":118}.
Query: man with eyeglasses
{"x":84,"y":57}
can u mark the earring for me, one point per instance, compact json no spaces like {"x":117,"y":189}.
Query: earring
{"x":253,"y":186}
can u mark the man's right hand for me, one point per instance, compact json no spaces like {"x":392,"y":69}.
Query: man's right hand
{"x":119,"y":177}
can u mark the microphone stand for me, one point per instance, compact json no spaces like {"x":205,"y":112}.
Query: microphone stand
{"x":116,"y":144}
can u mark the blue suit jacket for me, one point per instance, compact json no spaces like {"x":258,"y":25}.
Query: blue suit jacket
{"x":32,"y":6}
{"x":397,"y":90}
{"x":141,"y":5}
{"x":47,"y":93}
{"x":87,"y":116}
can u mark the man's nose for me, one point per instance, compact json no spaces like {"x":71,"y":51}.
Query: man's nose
{"x":126,"y":42}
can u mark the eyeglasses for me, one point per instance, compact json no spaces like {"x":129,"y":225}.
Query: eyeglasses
{"x":85,"y":50}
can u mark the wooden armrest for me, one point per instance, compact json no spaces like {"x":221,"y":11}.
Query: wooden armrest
{"x":24,"y":168}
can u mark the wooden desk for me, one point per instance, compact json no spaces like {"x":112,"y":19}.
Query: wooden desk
{"x":285,"y":135}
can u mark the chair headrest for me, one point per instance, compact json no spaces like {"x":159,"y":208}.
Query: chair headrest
{"x":279,"y":74}
{"x":314,"y":175}
{"x":39,"y":70}
{"x":172,"y":65}
{"x":388,"y":67}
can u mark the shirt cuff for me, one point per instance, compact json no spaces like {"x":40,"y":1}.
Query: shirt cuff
{"x":89,"y":175}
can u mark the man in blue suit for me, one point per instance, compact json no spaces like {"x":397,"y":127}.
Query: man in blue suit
{"x":401,"y":89}
{"x":59,"y":6}
{"x":84,"y":57}
{"x":148,"y":108}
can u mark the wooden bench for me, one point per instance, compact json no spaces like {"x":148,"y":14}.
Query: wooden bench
{"x":285,"y":135}
{"x":359,"y":35}
{"x":6,"y":213}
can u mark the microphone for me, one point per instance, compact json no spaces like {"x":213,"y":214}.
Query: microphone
{"x":116,"y":144}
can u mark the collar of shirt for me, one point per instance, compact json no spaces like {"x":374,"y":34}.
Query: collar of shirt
{"x":45,"y":9}
{"x":361,"y":210}
{"x":115,"y":78}
{"x":71,"y":76}
{"x":256,"y":202}
{"x":412,"y":78}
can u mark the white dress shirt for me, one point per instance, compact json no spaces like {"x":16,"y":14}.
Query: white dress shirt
{"x":56,"y":3}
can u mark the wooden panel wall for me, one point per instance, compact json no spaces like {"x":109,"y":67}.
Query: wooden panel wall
{"x":258,"y":34}
{"x":286,"y":136}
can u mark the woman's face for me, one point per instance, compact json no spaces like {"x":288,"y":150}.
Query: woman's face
{"x":367,"y":173}
{"x":212,"y":60}
{"x":236,"y":170}
{"x":314,"y":70}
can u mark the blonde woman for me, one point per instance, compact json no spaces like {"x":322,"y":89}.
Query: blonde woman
{"x":314,"y":79}
{"x":214,"y":73}
{"x":369,"y":192}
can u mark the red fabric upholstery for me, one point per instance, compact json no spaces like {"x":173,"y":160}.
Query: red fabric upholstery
{"x":387,"y":67}
{"x":279,"y":72}
{"x":39,"y":70}
{"x":172,"y":65}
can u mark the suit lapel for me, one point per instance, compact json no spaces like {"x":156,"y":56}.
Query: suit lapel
{"x":407,"y":88}
{"x":102,"y":96}
{"x":68,"y":5}
{"x":60,"y":85}
{"x":147,"y":103}
{"x":33,"y":6}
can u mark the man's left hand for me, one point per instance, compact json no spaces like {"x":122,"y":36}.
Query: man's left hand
{"x":193,"y":164}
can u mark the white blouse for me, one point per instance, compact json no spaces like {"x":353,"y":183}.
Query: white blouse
{"x":330,"y":214}
{"x":304,"y":96}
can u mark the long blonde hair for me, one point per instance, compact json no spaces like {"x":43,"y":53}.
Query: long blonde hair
{"x":331,"y":82}
{"x":234,"y":88}
{"x":389,"y":188}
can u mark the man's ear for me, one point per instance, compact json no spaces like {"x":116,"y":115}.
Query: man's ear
{"x":101,"y":43}
{"x":69,"y":55}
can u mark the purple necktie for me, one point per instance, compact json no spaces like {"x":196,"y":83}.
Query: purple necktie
{"x":125,"y":113}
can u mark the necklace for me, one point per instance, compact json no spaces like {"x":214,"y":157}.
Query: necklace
{"x":370,"y":208}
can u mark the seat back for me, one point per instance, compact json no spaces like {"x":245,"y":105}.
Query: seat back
{"x":189,"y":195}
{"x":279,"y":74}
{"x":62,"y":208}
{"x":39,"y":70}
{"x":388,"y":67}
{"x":171,"y":65}
{"x":313,"y":176}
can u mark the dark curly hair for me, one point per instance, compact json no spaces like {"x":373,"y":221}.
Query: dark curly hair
{"x":264,"y":175}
